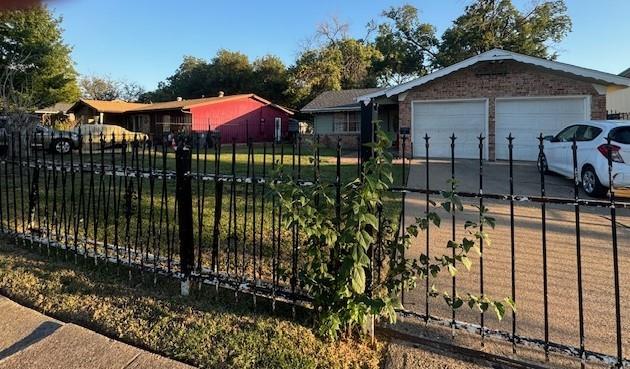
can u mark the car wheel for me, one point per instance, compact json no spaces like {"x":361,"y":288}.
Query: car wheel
{"x":542,"y":164}
{"x":62,"y":146}
{"x":591,"y":184}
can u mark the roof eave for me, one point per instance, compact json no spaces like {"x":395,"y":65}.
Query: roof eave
{"x":282,"y":108}
{"x":611,"y":79}
{"x":48,"y":111}
{"x":145,"y":110}
{"x":331,"y":109}
{"x":367,"y":97}
{"x":497,"y":55}
{"x":71,"y":108}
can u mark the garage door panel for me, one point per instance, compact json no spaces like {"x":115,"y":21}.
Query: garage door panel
{"x":525,"y":119}
{"x":441,"y":119}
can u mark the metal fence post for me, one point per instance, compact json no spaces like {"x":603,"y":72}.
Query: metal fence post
{"x":543,"y":209}
{"x":218,"y":204}
{"x":33,"y":200}
{"x":510,"y":140}
{"x":183,"y":195}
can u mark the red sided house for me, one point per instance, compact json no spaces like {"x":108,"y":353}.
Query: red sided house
{"x":237,"y":117}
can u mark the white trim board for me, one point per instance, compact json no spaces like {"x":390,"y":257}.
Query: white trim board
{"x":498,"y":55}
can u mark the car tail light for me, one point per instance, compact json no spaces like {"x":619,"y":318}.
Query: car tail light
{"x":614,"y":152}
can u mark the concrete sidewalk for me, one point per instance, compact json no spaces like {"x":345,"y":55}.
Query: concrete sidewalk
{"x":31,"y":340}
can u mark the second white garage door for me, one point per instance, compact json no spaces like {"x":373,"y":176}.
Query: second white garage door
{"x":527,"y":118}
{"x":467,"y":119}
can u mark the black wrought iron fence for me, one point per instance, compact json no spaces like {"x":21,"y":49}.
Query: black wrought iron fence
{"x":613,"y":115}
{"x":572,"y":204}
{"x":201,"y":209}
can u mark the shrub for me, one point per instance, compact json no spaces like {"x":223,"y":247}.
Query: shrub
{"x":340,"y":238}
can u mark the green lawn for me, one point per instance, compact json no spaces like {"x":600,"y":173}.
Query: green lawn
{"x":207,"y":329}
{"x":99,"y":212}
{"x":259,"y":161}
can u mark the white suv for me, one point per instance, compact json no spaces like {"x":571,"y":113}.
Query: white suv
{"x":592,"y":154}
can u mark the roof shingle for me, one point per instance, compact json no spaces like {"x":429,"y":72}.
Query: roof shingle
{"x":60,"y":107}
{"x":337,"y":100}
{"x":185,"y":104}
{"x":119,"y":106}
{"x":113,"y":106}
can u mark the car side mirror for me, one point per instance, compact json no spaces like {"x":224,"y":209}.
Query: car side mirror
{"x":550,"y":138}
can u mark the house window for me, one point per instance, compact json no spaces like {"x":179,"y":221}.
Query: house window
{"x":166,"y":120}
{"x":141,"y":123}
{"x":346,"y":122}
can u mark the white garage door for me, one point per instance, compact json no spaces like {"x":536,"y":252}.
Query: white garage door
{"x":467,"y":119}
{"x":527,"y":118}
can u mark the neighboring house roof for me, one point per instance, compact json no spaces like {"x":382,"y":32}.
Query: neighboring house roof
{"x":119,"y":106}
{"x":60,"y":107}
{"x":187,"y":104}
{"x":113,"y":106}
{"x":625,"y":73}
{"x":498,"y":55}
{"x":337,"y":100}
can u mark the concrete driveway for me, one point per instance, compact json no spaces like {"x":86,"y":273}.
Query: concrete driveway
{"x":495,"y":178}
{"x":595,"y":238}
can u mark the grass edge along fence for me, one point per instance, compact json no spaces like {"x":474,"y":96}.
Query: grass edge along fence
{"x":114,"y":203}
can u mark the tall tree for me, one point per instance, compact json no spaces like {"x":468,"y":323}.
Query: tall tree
{"x":488,"y":24}
{"x":190,"y":80}
{"x":35,"y":63}
{"x":130,"y":91}
{"x":336,"y":61}
{"x":98,"y":88}
{"x":408,"y":45}
{"x":270,"y":78}
{"x":106,"y":88}
{"x":230,"y":72}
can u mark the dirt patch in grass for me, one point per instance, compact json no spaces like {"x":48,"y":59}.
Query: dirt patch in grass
{"x":206,"y":329}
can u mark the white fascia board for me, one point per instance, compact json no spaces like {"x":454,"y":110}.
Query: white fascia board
{"x":497,"y":55}
{"x":366,"y":98}
{"x":430,"y":77}
{"x":573,"y":69}
{"x":601,"y":89}
{"x":331,"y":110}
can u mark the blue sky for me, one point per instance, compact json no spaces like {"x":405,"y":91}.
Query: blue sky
{"x":144,"y":40}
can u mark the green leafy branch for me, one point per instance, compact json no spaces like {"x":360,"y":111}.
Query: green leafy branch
{"x":340,"y":239}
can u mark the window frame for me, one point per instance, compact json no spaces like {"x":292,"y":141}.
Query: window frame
{"x":350,"y":118}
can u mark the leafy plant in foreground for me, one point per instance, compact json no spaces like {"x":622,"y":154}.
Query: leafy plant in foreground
{"x":341,"y":237}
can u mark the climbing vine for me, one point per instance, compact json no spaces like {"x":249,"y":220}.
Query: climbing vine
{"x":342,"y":239}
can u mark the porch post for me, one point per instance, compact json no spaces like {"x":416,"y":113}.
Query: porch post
{"x":367,"y":129}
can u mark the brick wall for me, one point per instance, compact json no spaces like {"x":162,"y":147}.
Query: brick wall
{"x":519,"y":80}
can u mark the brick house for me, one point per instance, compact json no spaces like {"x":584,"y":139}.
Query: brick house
{"x":494,"y":94}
